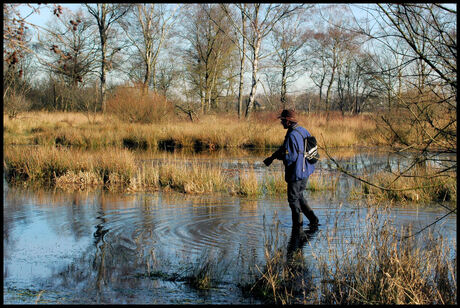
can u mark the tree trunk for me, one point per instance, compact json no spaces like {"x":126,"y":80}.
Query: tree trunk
{"x":146,"y":83}
{"x":243,"y":56}
{"x":283,"y":87}
{"x":103,"y":71}
{"x":255,"y":66}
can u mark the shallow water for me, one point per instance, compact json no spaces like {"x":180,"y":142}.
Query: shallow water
{"x":99,"y":247}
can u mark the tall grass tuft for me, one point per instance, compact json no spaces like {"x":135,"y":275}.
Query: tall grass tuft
{"x":382,"y":265}
{"x":63,"y":166}
{"x":320,"y":182}
{"x":416,"y":187}
{"x":274,"y":183}
{"x":208,"y":271}
{"x":248,"y":185}
{"x":192,"y":177}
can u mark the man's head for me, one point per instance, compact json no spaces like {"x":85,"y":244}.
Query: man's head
{"x":288,"y":118}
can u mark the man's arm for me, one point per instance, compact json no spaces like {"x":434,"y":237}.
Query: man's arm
{"x":278,"y":154}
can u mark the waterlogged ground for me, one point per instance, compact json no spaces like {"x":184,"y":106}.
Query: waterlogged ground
{"x":142,"y":248}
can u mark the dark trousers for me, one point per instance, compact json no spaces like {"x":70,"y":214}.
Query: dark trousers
{"x":298,"y":203}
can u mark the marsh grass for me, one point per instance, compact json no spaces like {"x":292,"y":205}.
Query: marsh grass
{"x":248,"y":184}
{"x":275,"y":184}
{"x":283,"y":276}
{"x":60,"y":166}
{"x":419,"y":186}
{"x":191,"y":177}
{"x":374,"y":264}
{"x":210,"y":132}
{"x":118,"y":169}
{"x":318,"y":182}
{"x":208,"y":271}
{"x":379,"y":264}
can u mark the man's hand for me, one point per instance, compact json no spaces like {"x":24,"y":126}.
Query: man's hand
{"x":268,"y":161}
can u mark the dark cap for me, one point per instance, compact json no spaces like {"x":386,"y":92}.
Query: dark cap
{"x":288,"y":114}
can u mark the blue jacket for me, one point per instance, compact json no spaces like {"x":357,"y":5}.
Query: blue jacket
{"x":293,"y":157}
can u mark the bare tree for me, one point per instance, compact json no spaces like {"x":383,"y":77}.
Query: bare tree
{"x":147,"y":31}
{"x":355,"y":82}
{"x":260,"y":20}
{"x":208,"y":57}
{"x":423,"y":119}
{"x":69,"y":56}
{"x":106,"y":16}
{"x":17,"y":51}
{"x":68,"y":47}
{"x":289,"y":37}
{"x":329,"y":45}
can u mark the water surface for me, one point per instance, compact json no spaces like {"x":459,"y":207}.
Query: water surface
{"x":139,"y":248}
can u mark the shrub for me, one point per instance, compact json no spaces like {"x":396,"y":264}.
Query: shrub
{"x":14,"y":104}
{"x":132,"y":105}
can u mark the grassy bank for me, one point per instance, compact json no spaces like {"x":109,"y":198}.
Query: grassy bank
{"x":210,"y":132}
{"x":117,"y":169}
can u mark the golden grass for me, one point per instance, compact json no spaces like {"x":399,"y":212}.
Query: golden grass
{"x":379,"y":264}
{"x":275,"y":184}
{"x":418,"y":186}
{"x":121,"y":169}
{"x":248,"y":184}
{"x":62,"y":166}
{"x":374,"y":264}
{"x":116,"y":168}
{"x":321,"y":182}
{"x":211,"y":131}
{"x":191,"y":177}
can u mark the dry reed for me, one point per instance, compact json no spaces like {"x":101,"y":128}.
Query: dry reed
{"x":378,"y":264}
{"x":211,"y":131}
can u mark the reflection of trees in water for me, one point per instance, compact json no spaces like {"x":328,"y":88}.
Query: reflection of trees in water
{"x":107,"y":265}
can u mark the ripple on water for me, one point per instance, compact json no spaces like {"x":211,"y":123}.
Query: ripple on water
{"x":190,"y":230}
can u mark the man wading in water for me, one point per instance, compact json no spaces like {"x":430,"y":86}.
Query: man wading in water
{"x":297,"y":168}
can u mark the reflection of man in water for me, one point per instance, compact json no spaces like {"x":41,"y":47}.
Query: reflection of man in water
{"x":297,"y":168}
{"x":300,"y":274}
{"x":298,"y":239}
